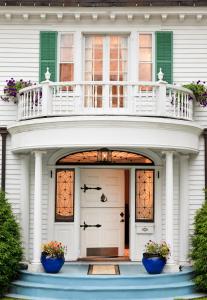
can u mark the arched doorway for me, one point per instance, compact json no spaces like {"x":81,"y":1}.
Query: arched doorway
{"x":101,"y":198}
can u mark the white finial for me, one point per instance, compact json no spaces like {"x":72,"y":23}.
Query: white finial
{"x":160,"y":75}
{"x":47,"y":74}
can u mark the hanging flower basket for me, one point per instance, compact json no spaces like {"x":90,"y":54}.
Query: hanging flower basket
{"x":199,"y":90}
{"x":12,"y":89}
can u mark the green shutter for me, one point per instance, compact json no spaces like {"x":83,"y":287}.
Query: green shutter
{"x":164,"y":54}
{"x":48,"y":54}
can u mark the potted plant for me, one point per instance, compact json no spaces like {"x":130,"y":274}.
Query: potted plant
{"x":52,"y":257}
{"x":155,"y":256}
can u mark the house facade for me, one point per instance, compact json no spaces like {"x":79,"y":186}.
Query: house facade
{"x":106,"y":150}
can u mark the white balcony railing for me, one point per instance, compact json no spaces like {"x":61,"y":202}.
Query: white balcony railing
{"x":105,"y":98}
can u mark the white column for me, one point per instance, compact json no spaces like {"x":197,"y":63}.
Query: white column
{"x":132,"y":233}
{"x":183,"y":239}
{"x":25,"y":187}
{"x":169,"y":203}
{"x":37,"y":225}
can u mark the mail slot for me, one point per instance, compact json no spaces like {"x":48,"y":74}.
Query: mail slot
{"x":145,"y":229}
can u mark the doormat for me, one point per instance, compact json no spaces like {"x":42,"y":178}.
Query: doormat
{"x":103,"y":270}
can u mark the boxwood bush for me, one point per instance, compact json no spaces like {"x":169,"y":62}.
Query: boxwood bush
{"x":199,"y":248}
{"x":10,"y":245}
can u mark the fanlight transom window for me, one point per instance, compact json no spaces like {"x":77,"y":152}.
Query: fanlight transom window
{"x":105,"y":156}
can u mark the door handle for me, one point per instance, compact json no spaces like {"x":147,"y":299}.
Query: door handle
{"x":86,"y":225}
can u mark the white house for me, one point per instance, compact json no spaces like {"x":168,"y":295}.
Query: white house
{"x":103,"y":153}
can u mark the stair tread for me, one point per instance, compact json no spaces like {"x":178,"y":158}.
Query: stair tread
{"x":113,"y":277}
{"x":96,"y":287}
{"x":190,"y":296}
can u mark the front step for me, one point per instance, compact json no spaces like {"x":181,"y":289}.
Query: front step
{"x":97,"y":280}
{"x":101,"y":292}
{"x":77,"y":285}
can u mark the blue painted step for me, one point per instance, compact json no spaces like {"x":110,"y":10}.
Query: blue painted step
{"x":102,"y":292}
{"x":73,"y":283}
{"x":92,"y":280}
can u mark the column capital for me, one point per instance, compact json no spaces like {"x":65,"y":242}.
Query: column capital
{"x":169,"y":153}
{"x":40,"y":152}
{"x":165,"y":152}
{"x":184,"y":156}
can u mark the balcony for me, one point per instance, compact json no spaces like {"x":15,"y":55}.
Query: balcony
{"x":158,"y":99}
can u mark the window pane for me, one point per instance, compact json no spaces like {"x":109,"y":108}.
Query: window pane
{"x":145,"y":54}
{"x":66,"y":40}
{"x":145,"y":57}
{"x":66,"y":72}
{"x":66,"y":54}
{"x":145,"y":72}
{"x":64,"y":204}
{"x":145,"y":40}
{"x":144,"y":195}
{"x":66,"y":57}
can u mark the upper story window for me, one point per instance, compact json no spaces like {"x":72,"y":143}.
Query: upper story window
{"x":66,"y":57}
{"x":145,"y":57}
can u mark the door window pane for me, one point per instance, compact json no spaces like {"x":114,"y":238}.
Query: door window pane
{"x":144,"y":195}
{"x":93,"y":58}
{"x":64,"y":202}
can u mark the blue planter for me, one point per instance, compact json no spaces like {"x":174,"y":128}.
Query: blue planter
{"x":154,"y":265}
{"x":52,"y":265}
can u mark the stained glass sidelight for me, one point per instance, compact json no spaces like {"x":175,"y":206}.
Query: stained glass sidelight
{"x":144,"y":195}
{"x":64,"y":204}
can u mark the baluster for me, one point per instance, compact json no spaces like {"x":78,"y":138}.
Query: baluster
{"x":178,"y":101}
{"x":185,"y":106}
{"x":61,"y":98}
{"x":174,"y":102}
{"x":38,"y":101}
{"x":182,"y":105}
{"x":24,"y":112}
{"x":118,"y":96}
{"x":110,"y":96}
{"x":27,"y":100}
{"x":95,"y":96}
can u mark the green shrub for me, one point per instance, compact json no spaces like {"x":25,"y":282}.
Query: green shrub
{"x":199,"y":248}
{"x":10,"y":245}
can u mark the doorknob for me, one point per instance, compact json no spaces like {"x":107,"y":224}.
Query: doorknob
{"x":122,"y":214}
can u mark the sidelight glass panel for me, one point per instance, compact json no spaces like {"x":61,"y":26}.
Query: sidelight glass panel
{"x":64,"y":204}
{"x":144,"y":195}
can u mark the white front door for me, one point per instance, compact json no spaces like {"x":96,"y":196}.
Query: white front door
{"x":103,"y":207}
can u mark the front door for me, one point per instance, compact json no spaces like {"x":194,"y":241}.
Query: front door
{"x":102,"y":212}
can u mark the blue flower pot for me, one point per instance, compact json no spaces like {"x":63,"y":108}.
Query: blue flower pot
{"x":154,"y":265}
{"x":52,"y":264}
